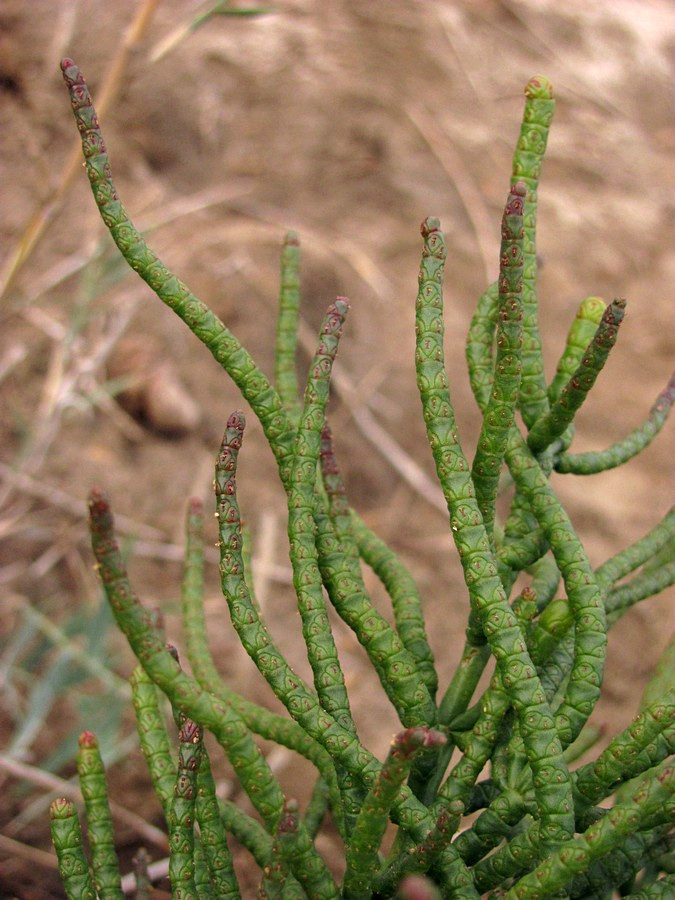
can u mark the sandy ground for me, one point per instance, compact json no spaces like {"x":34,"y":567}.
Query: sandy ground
{"x":349,"y":122}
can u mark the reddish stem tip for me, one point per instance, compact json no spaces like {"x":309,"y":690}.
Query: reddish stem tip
{"x":237,"y":420}
{"x":195,"y":506}
{"x":539,"y":87}
{"x":429,"y":225}
{"x":98,"y":501}
{"x":342,"y":305}
{"x":61,"y":808}
{"x":87,"y":740}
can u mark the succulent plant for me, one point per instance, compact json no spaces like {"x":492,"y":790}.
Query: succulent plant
{"x":539,"y":827}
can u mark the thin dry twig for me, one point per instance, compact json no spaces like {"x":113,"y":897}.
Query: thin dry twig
{"x":34,"y":855}
{"x":62,"y":500}
{"x":60,"y":787}
{"x":459,"y":174}
{"x":70,"y":370}
{"x":111,"y":84}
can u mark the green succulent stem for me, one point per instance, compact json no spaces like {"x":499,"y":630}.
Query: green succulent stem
{"x":288,"y":318}
{"x":405,"y":599}
{"x":100,"y":832}
{"x":563,"y":409}
{"x":653,"y":791}
{"x":300,"y":700}
{"x":584,"y":595}
{"x":362,"y":851}
{"x":211,"y":331}
{"x":580,"y":335}
{"x":67,"y":840}
{"x":182,"y":814}
{"x":527,"y":163}
{"x":184,"y":692}
{"x":501,"y":407}
{"x":486,"y":593}
{"x":594,"y":461}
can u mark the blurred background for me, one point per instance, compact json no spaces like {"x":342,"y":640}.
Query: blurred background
{"x":349,"y":122}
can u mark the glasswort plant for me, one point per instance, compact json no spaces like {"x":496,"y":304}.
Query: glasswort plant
{"x":539,"y":827}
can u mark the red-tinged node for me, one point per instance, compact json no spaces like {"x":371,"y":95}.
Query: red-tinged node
{"x":539,"y":87}
{"x":195,"y":506}
{"x":61,"y":808}
{"x":87,"y":740}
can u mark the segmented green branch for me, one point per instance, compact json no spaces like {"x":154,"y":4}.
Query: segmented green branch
{"x":646,"y":584}
{"x":248,"y":831}
{"x":523,"y":542}
{"x":299,"y":853}
{"x":545,"y":580}
{"x":400,"y":667}
{"x":395,"y":666}
{"x":585,"y":597}
{"x":655,"y":725}
{"x":182,"y":816}
{"x":317,"y":807}
{"x":67,"y":839}
{"x":654,"y":792}
{"x":454,"y":794}
{"x":405,"y":599}
{"x":321,"y":649}
{"x":479,"y":343}
{"x":362,"y":851}
{"x":212,"y":834}
{"x":224,"y":346}
{"x":527,"y":161}
{"x":269,"y":725}
{"x":552,"y":425}
{"x":275,"y":878}
{"x":301,"y":702}
{"x":285,"y":375}
{"x":492,"y":826}
{"x":617,"y":868}
{"x":639,"y":553}
{"x":520,"y":854}
{"x":336,"y":494}
{"x":153,"y":737}
{"x":500,"y":410}
{"x":486,"y":593}
{"x":100,"y":832}
{"x":594,"y":461}
{"x":183,"y":692}
{"x":557,"y":618}
{"x":580,"y":335}
{"x":463,"y":684}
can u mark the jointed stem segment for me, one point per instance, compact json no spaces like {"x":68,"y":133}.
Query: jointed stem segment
{"x":500,"y":410}
{"x":100,"y":832}
{"x":527,"y":162}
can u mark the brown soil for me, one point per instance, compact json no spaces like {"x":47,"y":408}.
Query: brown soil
{"x":349,"y":122}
